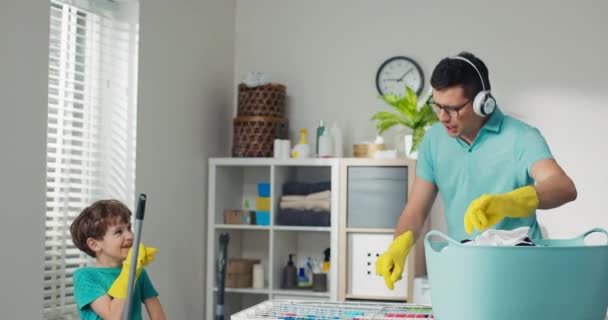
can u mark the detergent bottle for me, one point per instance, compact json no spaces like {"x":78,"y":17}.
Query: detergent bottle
{"x":302,"y":149}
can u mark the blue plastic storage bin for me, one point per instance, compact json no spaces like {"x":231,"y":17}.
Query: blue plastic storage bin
{"x":559,"y":279}
{"x":262,"y":218}
{"x":264,"y":189}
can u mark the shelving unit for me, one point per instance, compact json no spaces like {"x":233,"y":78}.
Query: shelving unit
{"x":365,"y":207}
{"x":373,"y":194}
{"x":234,"y":180}
{"x":241,"y":227}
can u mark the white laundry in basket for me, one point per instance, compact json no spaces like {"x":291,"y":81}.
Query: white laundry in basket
{"x":500,"y":237}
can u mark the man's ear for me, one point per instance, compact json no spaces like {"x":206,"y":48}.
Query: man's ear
{"x":93,"y":245}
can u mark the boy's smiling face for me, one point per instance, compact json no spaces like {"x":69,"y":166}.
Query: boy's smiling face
{"x":114,"y":247}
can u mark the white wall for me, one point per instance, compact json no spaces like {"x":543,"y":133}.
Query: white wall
{"x":547,"y":63}
{"x":184,"y":109}
{"x":24,"y":34}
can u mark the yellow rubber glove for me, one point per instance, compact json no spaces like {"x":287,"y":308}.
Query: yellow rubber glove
{"x":391,"y":264}
{"x":488,"y":210}
{"x":145,"y":255}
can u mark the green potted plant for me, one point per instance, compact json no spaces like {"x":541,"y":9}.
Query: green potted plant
{"x":407,"y":114}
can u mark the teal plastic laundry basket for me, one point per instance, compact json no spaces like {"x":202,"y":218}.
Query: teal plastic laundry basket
{"x":558,"y":279}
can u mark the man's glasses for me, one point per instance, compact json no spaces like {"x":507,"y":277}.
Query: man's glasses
{"x":451,"y":111}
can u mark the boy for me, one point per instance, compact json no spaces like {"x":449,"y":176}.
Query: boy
{"x":103,"y":231}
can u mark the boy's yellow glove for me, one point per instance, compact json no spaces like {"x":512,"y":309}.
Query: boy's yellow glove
{"x":391,"y":264}
{"x":144,"y":257}
{"x":488,"y":210}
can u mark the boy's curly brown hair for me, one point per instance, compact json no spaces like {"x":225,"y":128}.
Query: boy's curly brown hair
{"x":94,"y":220}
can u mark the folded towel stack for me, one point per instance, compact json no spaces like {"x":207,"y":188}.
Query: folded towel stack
{"x":291,"y":188}
{"x":319,"y":201}
{"x":305,"y":204}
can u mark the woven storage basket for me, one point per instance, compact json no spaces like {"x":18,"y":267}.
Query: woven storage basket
{"x":262,"y":101}
{"x":254,"y":136}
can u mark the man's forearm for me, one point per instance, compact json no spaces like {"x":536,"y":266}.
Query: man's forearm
{"x":555,"y":191}
{"x":416,"y":210}
{"x":409,"y":221}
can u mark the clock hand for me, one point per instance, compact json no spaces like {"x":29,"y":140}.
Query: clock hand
{"x":403,"y":76}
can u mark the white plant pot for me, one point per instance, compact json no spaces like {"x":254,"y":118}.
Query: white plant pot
{"x":408,"y":147}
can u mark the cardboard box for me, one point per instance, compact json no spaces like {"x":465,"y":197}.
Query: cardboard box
{"x":239,"y":272}
{"x":239,"y":217}
{"x":240,"y":266}
{"x":239,"y":280}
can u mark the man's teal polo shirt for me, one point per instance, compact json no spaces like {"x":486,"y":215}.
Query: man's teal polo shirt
{"x":499,"y":160}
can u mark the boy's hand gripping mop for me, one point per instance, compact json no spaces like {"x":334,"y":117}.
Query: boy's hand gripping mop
{"x":139,"y":218}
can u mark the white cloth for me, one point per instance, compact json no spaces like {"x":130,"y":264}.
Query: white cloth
{"x":254,"y":79}
{"x":315,"y":205}
{"x":323,"y":195}
{"x":500,"y":237}
{"x":319,"y":201}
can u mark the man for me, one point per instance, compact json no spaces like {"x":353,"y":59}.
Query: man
{"x":491,"y":170}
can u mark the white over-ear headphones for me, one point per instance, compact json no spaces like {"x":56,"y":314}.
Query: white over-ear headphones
{"x":484,"y":103}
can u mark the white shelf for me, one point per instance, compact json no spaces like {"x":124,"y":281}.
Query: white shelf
{"x":232,"y":181}
{"x":301,"y":292}
{"x":302,"y":228}
{"x":241,"y":227}
{"x":379,"y":298}
{"x":272,"y":162}
{"x":278,"y":228}
{"x":283,"y":292}
{"x":370,"y":230}
{"x":245,"y":290}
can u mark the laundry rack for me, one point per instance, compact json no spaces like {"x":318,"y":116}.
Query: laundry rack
{"x":304,"y":310}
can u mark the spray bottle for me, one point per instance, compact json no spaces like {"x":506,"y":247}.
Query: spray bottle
{"x":320,"y":131}
{"x":326,"y":260}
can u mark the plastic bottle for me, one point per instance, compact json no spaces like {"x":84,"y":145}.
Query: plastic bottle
{"x":326,"y":145}
{"x":302,"y":149}
{"x":326,"y":260}
{"x":309,"y":270}
{"x":303,"y":279}
{"x":336,"y":134}
{"x":258,"y":276}
{"x":320,"y":130}
{"x":290,"y":275}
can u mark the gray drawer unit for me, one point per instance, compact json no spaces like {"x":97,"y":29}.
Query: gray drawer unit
{"x":376,"y":195}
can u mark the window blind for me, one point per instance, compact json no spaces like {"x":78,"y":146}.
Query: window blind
{"x":91,"y":134}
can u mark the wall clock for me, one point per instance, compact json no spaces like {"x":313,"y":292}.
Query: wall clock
{"x":398,"y":72}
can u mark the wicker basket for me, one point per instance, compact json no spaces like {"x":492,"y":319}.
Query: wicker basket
{"x":254,"y":136}
{"x":366,"y":150}
{"x":262,"y":101}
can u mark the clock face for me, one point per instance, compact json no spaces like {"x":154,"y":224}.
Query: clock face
{"x":398,"y":72}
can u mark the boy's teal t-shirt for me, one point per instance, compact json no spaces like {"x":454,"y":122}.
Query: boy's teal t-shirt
{"x":499,"y":160}
{"x":91,"y":283}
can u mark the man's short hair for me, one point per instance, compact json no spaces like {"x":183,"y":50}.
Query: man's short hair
{"x":454,"y":72}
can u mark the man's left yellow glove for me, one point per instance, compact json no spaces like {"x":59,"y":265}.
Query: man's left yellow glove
{"x":391,"y":264}
{"x":488,"y":210}
{"x":145,"y":255}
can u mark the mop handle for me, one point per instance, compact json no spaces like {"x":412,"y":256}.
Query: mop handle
{"x":139,"y":218}
{"x":221,"y":275}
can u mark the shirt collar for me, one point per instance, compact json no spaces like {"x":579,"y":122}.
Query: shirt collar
{"x":494,"y":124}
